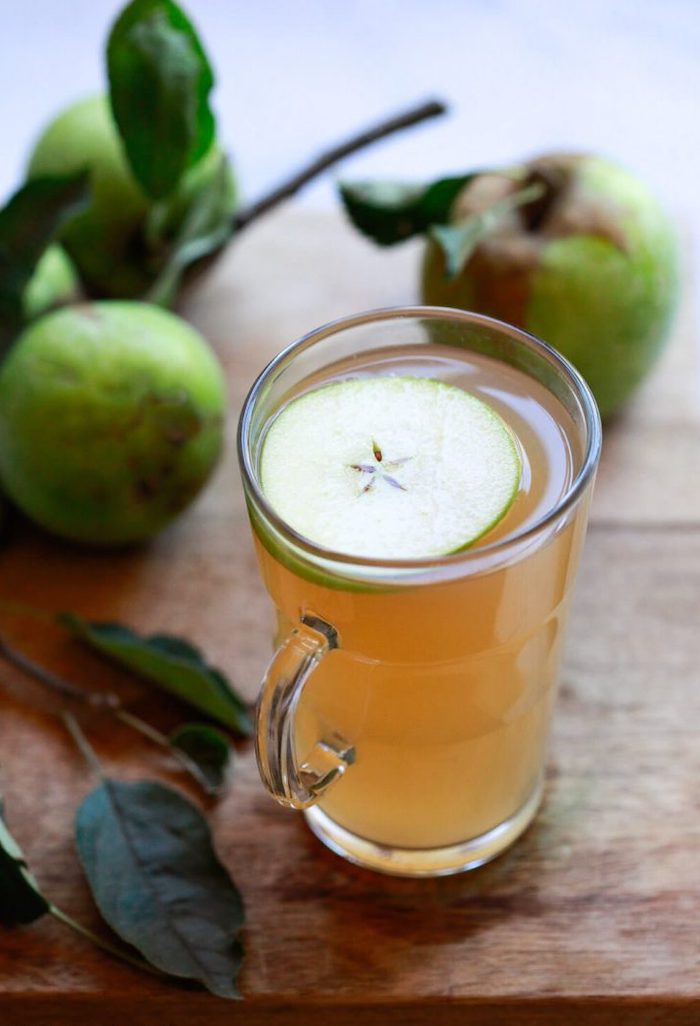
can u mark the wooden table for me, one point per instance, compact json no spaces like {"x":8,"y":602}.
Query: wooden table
{"x":594,"y":917}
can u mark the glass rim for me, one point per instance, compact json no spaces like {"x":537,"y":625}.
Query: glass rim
{"x":418,"y":312}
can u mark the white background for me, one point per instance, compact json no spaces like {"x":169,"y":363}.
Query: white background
{"x":617,"y":76}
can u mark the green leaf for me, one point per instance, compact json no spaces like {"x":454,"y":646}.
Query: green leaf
{"x":21,"y":901}
{"x":205,"y":229}
{"x":172,"y":663}
{"x":459,"y":241}
{"x":159,"y":82}
{"x":151,"y":865}
{"x":209,"y":752}
{"x":29,"y":223}
{"x":389,"y":212}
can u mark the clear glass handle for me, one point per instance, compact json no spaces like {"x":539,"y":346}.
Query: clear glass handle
{"x":294,"y":785}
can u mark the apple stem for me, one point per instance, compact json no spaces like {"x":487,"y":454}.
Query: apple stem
{"x":535,"y":213}
{"x":389,"y":126}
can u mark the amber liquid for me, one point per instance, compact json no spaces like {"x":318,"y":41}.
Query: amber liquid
{"x":445,"y":687}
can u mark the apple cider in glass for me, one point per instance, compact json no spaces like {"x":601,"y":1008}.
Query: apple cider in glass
{"x":416,"y":694}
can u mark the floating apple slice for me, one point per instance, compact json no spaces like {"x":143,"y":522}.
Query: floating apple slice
{"x":390,"y":467}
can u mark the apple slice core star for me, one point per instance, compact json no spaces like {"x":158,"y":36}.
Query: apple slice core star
{"x":390,"y":467}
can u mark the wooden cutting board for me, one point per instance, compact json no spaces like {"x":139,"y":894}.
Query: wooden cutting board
{"x":592,"y":918}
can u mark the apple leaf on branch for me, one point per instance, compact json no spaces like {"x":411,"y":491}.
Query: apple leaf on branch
{"x":21,"y":901}
{"x":159,"y":85}
{"x":29,"y":222}
{"x":391,"y":212}
{"x":176,"y":665}
{"x":183,"y":914}
{"x":205,"y":229}
{"x":207,"y":749}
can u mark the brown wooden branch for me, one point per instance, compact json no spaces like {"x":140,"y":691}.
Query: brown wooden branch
{"x":430,"y":109}
{"x":60,"y":685}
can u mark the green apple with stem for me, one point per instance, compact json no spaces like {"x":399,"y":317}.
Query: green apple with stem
{"x":590,"y":265}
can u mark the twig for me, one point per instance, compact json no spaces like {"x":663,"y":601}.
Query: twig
{"x":111,"y":949}
{"x":136,"y":723}
{"x":86,"y":749}
{"x":431,"y":109}
{"x":154,"y":735}
{"x":25,"y":609}
{"x":51,"y":680}
{"x":108,"y":702}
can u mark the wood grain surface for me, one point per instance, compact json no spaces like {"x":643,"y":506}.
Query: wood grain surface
{"x":592,"y":918}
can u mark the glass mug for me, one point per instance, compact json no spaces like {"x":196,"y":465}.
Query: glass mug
{"x":407,"y":708}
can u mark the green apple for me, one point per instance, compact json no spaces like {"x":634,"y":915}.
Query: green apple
{"x":390,"y":467}
{"x":54,"y":283}
{"x":109,"y":242}
{"x":111,"y":420}
{"x":591,"y":267}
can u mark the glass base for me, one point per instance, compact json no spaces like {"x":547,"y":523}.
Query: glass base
{"x":456,"y":858}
